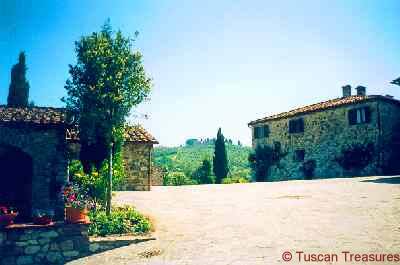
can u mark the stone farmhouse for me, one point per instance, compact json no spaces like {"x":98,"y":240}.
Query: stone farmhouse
{"x":320,"y":132}
{"x":34,"y":157}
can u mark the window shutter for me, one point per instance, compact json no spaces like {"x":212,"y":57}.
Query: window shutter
{"x":301,"y":125}
{"x":266,"y":131}
{"x":352,"y":116}
{"x":367,"y":114}
{"x":291,"y":125}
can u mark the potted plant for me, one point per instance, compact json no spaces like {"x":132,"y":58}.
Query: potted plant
{"x":43,"y":217}
{"x":77,"y":203}
{"x":7,"y":216}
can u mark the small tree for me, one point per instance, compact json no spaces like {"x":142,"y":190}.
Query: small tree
{"x":107,"y":81}
{"x":220,"y":159}
{"x":18,"y":92}
{"x":203,"y":173}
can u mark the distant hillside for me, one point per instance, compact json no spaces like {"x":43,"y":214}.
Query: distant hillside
{"x":188,"y":158}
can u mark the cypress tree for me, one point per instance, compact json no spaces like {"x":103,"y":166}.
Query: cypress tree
{"x":18,"y":93}
{"x":220,"y":160}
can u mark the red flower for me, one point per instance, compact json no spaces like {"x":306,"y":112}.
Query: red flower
{"x":3,"y":210}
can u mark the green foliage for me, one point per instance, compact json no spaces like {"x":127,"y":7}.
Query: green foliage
{"x":356,"y":156}
{"x":95,"y":181}
{"x":191,"y":142}
{"x":187,"y":159}
{"x":203,"y":174}
{"x":177,"y":179}
{"x":263,"y":158}
{"x":18,"y":93}
{"x":396,"y":81}
{"x":220,"y":159}
{"x":123,"y":220}
{"x":235,"y":179}
{"x":308,"y":168}
{"x":107,"y":81}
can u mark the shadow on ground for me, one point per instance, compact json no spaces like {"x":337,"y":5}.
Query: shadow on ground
{"x":100,"y":245}
{"x":385,"y":180}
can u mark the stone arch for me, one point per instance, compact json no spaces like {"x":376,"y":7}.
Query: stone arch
{"x":16,"y":167}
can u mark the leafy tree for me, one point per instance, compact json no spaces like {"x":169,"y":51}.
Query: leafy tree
{"x":263,"y":158}
{"x":107,"y":81}
{"x":177,"y":179}
{"x":220,"y":160}
{"x":18,"y":92}
{"x":203,"y":173}
{"x":396,"y":82}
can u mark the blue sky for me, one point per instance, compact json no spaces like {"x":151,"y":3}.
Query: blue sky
{"x":214,"y":64}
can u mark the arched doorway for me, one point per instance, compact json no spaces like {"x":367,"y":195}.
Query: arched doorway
{"x":16,"y":181}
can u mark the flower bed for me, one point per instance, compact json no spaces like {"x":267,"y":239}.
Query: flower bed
{"x":123,"y":220}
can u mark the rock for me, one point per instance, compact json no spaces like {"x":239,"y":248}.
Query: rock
{"x":54,"y":246}
{"x":24,"y":260}
{"x":32,"y":250}
{"x":94,"y":247}
{"x":45,"y":248}
{"x":49,"y":234}
{"x":67,"y":245}
{"x":21,"y":243}
{"x":54,"y":257}
{"x":7,"y":261}
{"x":70,"y":254}
{"x":32,"y":242}
{"x":43,"y":241}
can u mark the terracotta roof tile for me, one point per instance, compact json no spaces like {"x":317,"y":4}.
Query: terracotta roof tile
{"x":138,"y":134}
{"x":33,"y":115}
{"x":333,"y":103}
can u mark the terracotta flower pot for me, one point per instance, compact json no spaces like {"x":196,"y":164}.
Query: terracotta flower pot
{"x":74,"y":215}
{"x":7,"y":219}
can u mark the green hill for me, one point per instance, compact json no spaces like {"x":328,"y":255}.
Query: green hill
{"x":188,"y":158}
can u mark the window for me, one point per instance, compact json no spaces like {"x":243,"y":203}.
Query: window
{"x":359,"y":115}
{"x":296,"y":126}
{"x":261,"y":132}
{"x":299,"y":155}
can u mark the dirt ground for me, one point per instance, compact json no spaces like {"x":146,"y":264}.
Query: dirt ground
{"x":256,"y":223}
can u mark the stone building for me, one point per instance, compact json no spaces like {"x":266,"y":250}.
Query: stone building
{"x":33,"y":160}
{"x":321,"y":132}
{"x":34,"y":144}
{"x":136,"y":153}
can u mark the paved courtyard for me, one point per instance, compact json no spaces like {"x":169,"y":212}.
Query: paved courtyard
{"x":255,"y":223}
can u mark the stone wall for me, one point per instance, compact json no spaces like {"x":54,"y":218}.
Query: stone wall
{"x":46,"y":147}
{"x":53,"y":244}
{"x":137,"y":162}
{"x":325,"y":134}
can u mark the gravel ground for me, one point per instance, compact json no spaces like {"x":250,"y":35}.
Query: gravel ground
{"x":255,"y":223}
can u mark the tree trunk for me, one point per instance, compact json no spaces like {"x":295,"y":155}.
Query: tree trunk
{"x":109,"y":182}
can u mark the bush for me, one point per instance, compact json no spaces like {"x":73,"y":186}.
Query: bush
{"x":177,"y":179}
{"x":263,"y":158}
{"x":232,"y":180}
{"x":308,"y":169}
{"x":123,"y":220}
{"x":356,"y":156}
{"x":95,"y":181}
{"x":203,"y":174}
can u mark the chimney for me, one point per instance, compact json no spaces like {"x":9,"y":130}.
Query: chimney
{"x":346,"y":91}
{"x":361,"y":90}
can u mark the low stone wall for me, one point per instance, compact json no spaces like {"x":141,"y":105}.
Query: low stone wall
{"x":52,"y":244}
